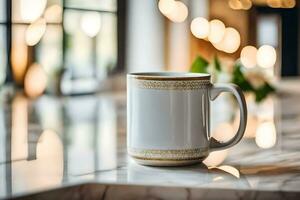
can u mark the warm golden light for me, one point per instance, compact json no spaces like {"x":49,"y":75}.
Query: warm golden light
{"x":246,"y":4}
{"x":35,"y":32}
{"x":216,"y":31}
{"x":200,"y":27}
{"x":19,"y":128}
{"x":230,"y":42}
{"x":235,"y":4}
{"x":166,"y":6}
{"x":288,"y":3}
{"x":48,"y":140}
{"x":248,"y":56}
{"x":223,"y":132}
{"x":266,"y":135}
{"x":230,"y":170}
{"x":48,"y":159}
{"x":53,"y":13}
{"x":252,"y":123}
{"x":19,"y":54}
{"x":266,"y":56}
{"x":179,"y":14}
{"x":35,"y":81}
{"x":215,"y":158}
{"x":274,"y":3}
{"x":91,"y":23}
{"x":32,"y":9}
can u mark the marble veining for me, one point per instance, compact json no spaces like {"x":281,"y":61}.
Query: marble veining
{"x":77,"y":146}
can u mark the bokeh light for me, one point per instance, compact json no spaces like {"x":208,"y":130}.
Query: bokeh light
{"x":246,"y":4}
{"x":274,"y":3}
{"x":266,"y":56}
{"x":235,"y":4}
{"x":179,"y":14}
{"x":166,"y":6}
{"x":248,"y":56}
{"x":91,"y":23}
{"x":288,"y":3}
{"x":53,"y":13}
{"x":223,"y":132}
{"x":230,"y":42}
{"x":32,"y":9}
{"x":217,"y":31}
{"x":19,"y":54}
{"x":35,"y":81}
{"x":200,"y":27}
{"x":266,"y":135}
{"x":71,"y":20}
{"x":35,"y":32}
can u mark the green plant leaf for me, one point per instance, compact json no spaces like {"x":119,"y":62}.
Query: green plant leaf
{"x":199,"y":65}
{"x":217,"y":63}
{"x":263,"y":92}
{"x":239,"y":79}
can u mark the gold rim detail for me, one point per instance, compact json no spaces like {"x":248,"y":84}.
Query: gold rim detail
{"x":168,"y":155}
{"x":158,"y":76}
{"x":172,"y":85}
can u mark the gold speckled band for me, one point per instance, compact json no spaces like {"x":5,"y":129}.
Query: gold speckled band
{"x":182,"y":154}
{"x":172,"y":85}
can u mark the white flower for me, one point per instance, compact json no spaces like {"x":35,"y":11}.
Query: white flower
{"x":256,"y":78}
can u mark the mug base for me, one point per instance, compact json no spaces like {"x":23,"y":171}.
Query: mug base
{"x":167,"y":163}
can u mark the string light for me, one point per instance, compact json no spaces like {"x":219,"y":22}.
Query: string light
{"x":274,"y":3}
{"x":266,"y":56}
{"x":217,"y":31}
{"x":35,"y":81}
{"x":200,"y":27}
{"x":230,"y":42}
{"x":248,"y":56}
{"x":31,"y":10}
{"x":166,"y":6}
{"x":91,"y":23}
{"x":180,"y":13}
{"x":288,"y":3}
{"x":35,"y":32}
{"x":176,"y":11}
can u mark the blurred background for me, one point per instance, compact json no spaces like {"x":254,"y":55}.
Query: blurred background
{"x":73,"y":46}
{"x":66,"y":48}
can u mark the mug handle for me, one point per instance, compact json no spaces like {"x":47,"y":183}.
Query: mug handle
{"x":214,"y":92}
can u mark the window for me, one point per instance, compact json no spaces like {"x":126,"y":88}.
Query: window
{"x":71,"y":40}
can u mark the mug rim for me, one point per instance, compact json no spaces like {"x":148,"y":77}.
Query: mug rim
{"x":169,"y":76}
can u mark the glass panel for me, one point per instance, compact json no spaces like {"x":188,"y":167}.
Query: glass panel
{"x":26,"y":11}
{"x":3,"y":146}
{"x":92,"y":48}
{"x":107,"y":45}
{"x":44,"y":48}
{"x":2,"y":11}
{"x":3,"y":54}
{"x":268,"y":24}
{"x":79,"y":47}
{"x":49,"y":54}
{"x":107,"y":5}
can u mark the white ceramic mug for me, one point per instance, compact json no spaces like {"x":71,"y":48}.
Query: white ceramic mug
{"x":168,"y":117}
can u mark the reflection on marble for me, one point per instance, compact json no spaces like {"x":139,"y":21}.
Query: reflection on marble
{"x":77,"y":146}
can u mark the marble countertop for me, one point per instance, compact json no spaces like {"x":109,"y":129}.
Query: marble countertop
{"x":76,"y":146}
